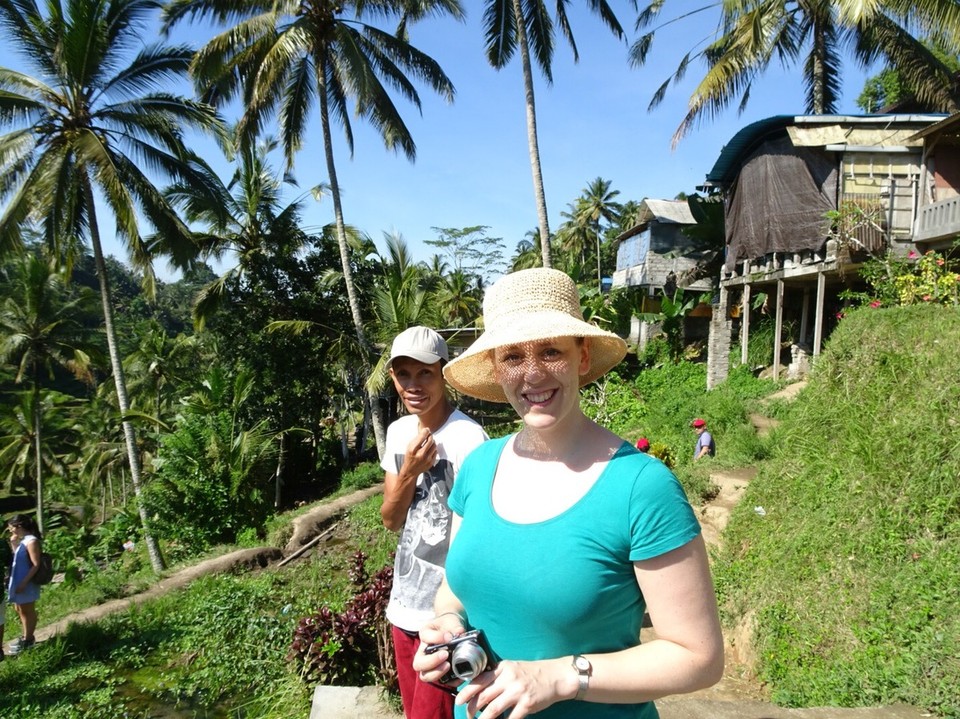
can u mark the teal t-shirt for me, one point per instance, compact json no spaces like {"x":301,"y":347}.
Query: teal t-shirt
{"x":565,"y":585}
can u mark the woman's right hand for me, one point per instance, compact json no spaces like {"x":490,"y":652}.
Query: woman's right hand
{"x":439,"y":630}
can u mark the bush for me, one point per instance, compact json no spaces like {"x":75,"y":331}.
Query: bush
{"x":210,"y":484}
{"x":362,"y":476}
{"x":345,"y":648}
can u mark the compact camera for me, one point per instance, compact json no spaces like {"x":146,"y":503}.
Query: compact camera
{"x":470,"y":656}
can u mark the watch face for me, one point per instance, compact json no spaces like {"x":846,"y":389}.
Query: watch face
{"x":582,"y":664}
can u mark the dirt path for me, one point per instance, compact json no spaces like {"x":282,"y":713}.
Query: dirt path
{"x":305,"y":527}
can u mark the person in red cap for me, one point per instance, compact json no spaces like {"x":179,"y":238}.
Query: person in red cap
{"x":705,"y":446}
{"x":643,"y":444}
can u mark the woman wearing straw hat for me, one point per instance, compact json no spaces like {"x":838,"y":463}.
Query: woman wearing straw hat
{"x":565,"y":533}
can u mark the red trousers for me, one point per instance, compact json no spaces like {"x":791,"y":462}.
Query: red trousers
{"x":420,"y":699}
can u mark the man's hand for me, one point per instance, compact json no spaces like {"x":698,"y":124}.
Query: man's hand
{"x":421,"y":454}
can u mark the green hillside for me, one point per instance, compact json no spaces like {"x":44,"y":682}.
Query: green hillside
{"x":850,"y":579}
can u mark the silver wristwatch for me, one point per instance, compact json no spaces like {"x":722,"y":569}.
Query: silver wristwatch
{"x":584,"y":669}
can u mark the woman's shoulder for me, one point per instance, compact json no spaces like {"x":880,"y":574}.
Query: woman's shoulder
{"x":630,"y":461}
{"x":29,"y":539}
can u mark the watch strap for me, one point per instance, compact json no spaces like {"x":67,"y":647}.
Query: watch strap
{"x":583,"y":668}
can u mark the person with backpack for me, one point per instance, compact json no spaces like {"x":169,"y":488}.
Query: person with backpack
{"x":22,"y":591}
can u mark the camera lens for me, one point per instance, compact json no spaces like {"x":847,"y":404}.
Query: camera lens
{"x":468,"y":660}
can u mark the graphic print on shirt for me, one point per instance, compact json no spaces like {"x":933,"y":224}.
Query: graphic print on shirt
{"x":425,"y":538}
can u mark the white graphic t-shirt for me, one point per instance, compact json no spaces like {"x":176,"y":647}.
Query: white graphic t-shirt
{"x":425,"y":537}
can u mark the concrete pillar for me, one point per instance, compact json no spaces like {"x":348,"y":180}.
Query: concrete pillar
{"x":818,"y":318}
{"x":718,"y":343}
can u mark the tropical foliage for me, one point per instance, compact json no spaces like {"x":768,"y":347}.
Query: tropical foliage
{"x":90,"y":119}
{"x":754,"y":33}
{"x":525,"y":26}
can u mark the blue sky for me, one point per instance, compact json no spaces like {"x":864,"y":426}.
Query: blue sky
{"x":472,"y":165}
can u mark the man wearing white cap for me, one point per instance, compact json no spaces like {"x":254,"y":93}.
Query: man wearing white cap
{"x":424,"y":451}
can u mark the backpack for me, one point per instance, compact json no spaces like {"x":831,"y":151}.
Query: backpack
{"x":44,"y":573}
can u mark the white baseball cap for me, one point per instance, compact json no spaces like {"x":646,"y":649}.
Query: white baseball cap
{"x":420,"y":343}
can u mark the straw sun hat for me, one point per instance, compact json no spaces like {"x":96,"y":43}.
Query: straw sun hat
{"x":528,"y":306}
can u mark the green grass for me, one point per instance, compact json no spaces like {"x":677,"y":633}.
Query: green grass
{"x":215,"y":649}
{"x":660,"y":404}
{"x":851,"y":577}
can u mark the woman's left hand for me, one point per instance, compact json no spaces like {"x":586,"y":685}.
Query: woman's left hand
{"x":22,"y":587}
{"x":523,"y":688}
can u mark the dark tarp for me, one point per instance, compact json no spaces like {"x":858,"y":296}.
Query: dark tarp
{"x":779,"y":201}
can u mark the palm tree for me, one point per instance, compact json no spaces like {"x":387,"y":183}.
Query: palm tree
{"x":596,"y":205}
{"x":526,"y":25}
{"x":753,"y":33}
{"x":38,"y":436}
{"x":528,"y":252}
{"x":155,"y":367}
{"x":90,"y":118}
{"x":574,"y":234}
{"x":42,"y":329}
{"x":285,"y":56}
{"x":459,"y":299}
{"x":400,"y":301}
{"x":245,"y":217}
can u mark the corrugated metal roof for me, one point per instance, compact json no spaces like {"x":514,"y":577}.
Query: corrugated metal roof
{"x":667,"y":211}
{"x":674,"y":211}
{"x":947,"y":123}
{"x":727,"y":166}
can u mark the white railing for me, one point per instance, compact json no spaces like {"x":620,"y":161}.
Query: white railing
{"x":939,"y":219}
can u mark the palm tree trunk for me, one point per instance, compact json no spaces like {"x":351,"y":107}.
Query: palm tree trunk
{"x":37,"y":451}
{"x":278,"y":487}
{"x":532,"y":142}
{"x":379,"y":428}
{"x":156,"y":559}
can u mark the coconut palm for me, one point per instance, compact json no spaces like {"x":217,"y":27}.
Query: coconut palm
{"x":93,"y":116}
{"x":459,"y":299}
{"x":245,"y":217}
{"x":400,"y":301}
{"x":284,"y":57}
{"x":42,"y":329}
{"x":155,"y":368}
{"x":574,"y":235}
{"x":526,"y":25}
{"x":597,"y":205}
{"x":38,"y":437}
{"x":754,"y":32}
{"x":528,"y":252}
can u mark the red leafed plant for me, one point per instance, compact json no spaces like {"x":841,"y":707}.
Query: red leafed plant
{"x":352,"y":647}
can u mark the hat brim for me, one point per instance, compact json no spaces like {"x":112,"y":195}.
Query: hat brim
{"x":472,"y":373}
{"x":425,"y":357}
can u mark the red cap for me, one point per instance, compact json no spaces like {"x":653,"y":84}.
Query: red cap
{"x":643,"y":444}
{"x":698,"y":423}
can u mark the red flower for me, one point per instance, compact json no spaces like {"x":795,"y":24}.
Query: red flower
{"x":840,"y":315}
{"x":875,"y":304}
{"x":940,"y":262}
{"x":912,"y":255}
{"x":927,"y":298}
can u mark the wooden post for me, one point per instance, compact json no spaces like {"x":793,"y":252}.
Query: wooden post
{"x":778,"y":332}
{"x":745,"y":324}
{"x":818,"y":318}
{"x":805,"y":315}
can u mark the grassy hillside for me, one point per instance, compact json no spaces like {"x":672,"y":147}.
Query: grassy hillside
{"x":851,"y":580}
